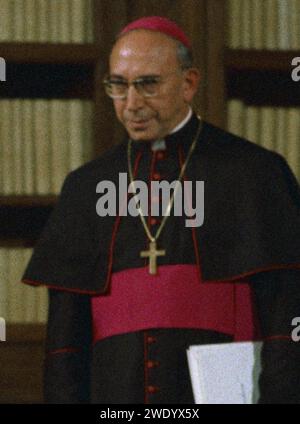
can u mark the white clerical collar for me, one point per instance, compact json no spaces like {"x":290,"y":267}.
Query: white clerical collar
{"x":161,"y":144}
{"x":182,"y":123}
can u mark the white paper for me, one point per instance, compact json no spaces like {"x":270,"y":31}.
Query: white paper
{"x":225,"y":373}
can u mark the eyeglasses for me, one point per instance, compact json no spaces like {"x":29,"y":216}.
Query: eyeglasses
{"x":147,"y":86}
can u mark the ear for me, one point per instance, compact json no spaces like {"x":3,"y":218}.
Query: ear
{"x":191,"y":83}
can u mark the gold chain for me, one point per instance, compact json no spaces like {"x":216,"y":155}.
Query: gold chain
{"x":159,"y":230}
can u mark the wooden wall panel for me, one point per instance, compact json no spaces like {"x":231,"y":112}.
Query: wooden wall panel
{"x":215,"y":88}
{"x":110,"y":17}
{"x":21,"y":364}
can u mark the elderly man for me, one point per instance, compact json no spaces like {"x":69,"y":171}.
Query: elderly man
{"x":130,"y":293}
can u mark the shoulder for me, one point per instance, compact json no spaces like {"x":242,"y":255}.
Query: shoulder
{"x":236,"y":150}
{"x":246,"y":164}
{"x":102,"y":167}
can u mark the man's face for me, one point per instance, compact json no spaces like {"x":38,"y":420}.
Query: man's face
{"x":140,"y":54}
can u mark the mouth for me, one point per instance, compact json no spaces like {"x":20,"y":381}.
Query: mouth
{"x":138,"y":124}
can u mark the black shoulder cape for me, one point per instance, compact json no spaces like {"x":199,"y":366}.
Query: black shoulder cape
{"x":251,"y":224}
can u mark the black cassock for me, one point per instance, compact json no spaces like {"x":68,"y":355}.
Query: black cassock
{"x":105,"y":347}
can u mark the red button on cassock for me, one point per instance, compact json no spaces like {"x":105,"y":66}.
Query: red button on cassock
{"x":151,"y":339}
{"x":161,"y":155}
{"x":152,"y":389}
{"x":152,"y":364}
{"x":156,"y":176}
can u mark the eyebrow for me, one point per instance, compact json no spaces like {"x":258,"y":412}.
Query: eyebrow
{"x":116,"y":76}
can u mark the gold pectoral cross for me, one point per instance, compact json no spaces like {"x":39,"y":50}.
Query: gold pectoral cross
{"x":152,"y":254}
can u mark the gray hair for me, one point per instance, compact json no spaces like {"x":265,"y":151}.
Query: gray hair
{"x":185,"y":56}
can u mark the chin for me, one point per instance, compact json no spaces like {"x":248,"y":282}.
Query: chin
{"x":142,"y":136}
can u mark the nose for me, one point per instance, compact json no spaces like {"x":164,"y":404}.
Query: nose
{"x":134,"y":99}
